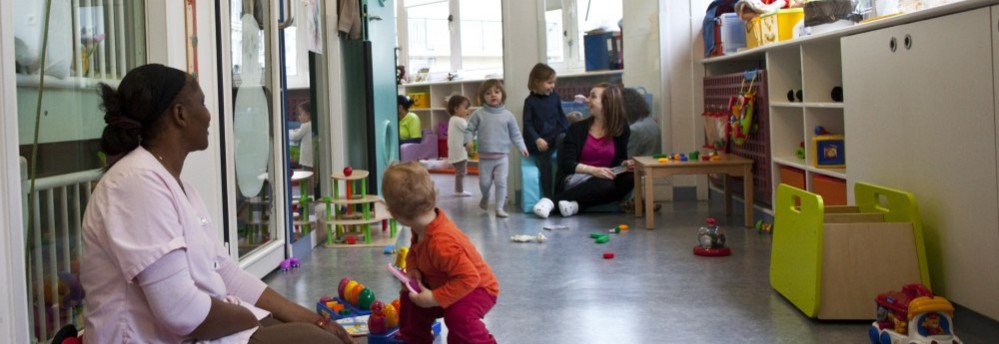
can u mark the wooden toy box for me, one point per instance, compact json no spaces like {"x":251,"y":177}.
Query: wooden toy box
{"x":831,"y":262}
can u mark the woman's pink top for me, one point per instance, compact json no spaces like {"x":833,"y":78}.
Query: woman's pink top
{"x":597,"y":152}
{"x":136,"y":215}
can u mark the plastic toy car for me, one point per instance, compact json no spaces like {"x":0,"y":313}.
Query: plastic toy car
{"x":913,"y":316}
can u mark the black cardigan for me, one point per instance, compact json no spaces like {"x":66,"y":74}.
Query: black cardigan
{"x":572,"y":149}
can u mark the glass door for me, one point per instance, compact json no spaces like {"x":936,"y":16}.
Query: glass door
{"x":58,"y":64}
{"x":257,"y":215}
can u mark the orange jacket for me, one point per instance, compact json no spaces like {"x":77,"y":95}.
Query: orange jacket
{"x":449,"y":263}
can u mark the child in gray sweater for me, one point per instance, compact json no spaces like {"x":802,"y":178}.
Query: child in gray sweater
{"x":496,"y":129}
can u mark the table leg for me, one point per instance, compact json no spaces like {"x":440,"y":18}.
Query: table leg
{"x":649,"y":218}
{"x":747,"y":185}
{"x":727,"y":184}
{"x":638,"y":192}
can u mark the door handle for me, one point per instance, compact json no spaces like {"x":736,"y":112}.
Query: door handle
{"x":290,"y":16}
{"x":374,"y":18}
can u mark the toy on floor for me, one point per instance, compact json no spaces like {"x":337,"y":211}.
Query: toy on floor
{"x":608,"y":255}
{"x":619,"y":228}
{"x":553,"y":227}
{"x":711,"y":240}
{"x":601,"y":238}
{"x":355,"y":293}
{"x":540,"y":238}
{"x":913,"y":316}
{"x":764,"y":227}
{"x":290,"y":263}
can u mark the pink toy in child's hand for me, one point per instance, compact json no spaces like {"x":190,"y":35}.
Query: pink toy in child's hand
{"x":411,"y":284}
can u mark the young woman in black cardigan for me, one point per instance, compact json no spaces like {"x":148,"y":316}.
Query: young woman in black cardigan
{"x":592,"y":163}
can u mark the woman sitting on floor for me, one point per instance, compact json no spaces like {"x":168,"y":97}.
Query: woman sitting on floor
{"x":592,"y":163}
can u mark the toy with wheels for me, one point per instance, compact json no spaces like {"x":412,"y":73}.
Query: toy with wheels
{"x":711,"y":241}
{"x":913,"y":316}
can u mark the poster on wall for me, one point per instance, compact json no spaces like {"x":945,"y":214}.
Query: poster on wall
{"x":313,"y":26}
{"x":191,"y":35}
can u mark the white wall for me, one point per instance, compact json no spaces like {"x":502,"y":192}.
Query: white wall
{"x":167,"y":45}
{"x":13,"y":303}
{"x":521,"y":51}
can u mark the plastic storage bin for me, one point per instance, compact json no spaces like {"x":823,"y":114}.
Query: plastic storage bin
{"x":420,"y":100}
{"x":733,"y":32}
{"x":832,"y":190}
{"x":792,"y":176}
{"x":779,"y":26}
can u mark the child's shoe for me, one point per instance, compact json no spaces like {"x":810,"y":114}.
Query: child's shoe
{"x":543,"y":207}
{"x":568,"y":208}
{"x":484,"y":203}
{"x":500,"y":212}
{"x":463,"y":194}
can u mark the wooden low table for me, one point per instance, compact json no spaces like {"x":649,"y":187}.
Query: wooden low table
{"x":730,"y":165}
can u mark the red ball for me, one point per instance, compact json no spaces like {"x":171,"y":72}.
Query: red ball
{"x":351,"y":240}
{"x":608,"y":255}
{"x":347,"y":171}
{"x":376,"y":307}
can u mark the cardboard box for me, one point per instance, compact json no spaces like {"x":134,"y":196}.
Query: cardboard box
{"x":829,"y":151}
{"x":779,"y":26}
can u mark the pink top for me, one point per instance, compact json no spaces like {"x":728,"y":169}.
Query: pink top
{"x":136,"y":215}
{"x":597,"y":152}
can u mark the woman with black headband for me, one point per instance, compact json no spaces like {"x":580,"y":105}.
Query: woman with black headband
{"x":152,"y":266}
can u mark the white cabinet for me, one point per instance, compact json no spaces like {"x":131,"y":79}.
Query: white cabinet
{"x":438,"y":93}
{"x":920,"y":116}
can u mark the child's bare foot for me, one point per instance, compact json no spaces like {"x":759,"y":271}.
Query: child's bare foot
{"x":501,"y":213}
{"x":484,"y":203}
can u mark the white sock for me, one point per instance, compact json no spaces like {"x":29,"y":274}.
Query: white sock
{"x":568,"y":208}
{"x":543,"y":208}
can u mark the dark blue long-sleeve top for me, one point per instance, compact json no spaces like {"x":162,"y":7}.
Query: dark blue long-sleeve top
{"x":544,"y":118}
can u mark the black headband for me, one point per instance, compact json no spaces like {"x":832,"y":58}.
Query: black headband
{"x":164,"y":83}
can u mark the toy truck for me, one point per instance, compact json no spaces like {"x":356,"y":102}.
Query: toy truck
{"x":913,"y":316}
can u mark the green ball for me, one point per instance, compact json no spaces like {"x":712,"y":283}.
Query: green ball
{"x":365,"y":298}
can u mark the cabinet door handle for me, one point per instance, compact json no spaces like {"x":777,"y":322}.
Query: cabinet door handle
{"x":892,"y":44}
{"x":908,"y":42}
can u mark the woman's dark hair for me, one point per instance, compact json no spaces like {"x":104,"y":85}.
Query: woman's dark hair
{"x":455,"y":101}
{"x":405,"y":101}
{"x":635,"y":107}
{"x":132,"y":111}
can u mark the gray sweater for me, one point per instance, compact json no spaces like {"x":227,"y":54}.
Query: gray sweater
{"x":645,"y":138}
{"x":496,"y":129}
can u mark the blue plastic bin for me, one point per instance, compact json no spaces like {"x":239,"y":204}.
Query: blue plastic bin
{"x":601,"y":51}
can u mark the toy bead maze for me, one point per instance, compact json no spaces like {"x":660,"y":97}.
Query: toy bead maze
{"x":349,"y":217}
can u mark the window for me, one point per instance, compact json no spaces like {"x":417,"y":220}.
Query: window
{"x":89,"y":42}
{"x":445,"y":36}
{"x":567,"y":21}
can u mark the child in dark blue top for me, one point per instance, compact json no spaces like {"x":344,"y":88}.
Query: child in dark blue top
{"x":544,"y":123}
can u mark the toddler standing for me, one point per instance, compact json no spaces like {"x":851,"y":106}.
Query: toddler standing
{"x":457,"y":155}
{"x":496,"y":129}
{"x":455,"y":282}
{"x":544,"y":123}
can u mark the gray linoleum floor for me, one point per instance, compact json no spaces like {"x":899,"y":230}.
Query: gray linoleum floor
{"x":654,"y":291}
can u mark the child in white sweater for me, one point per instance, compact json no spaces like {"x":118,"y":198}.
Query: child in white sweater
{"x":457,"y":155}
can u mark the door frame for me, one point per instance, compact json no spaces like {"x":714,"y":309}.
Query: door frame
{"x":13,"y":292}
{"x":266,"y":258}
